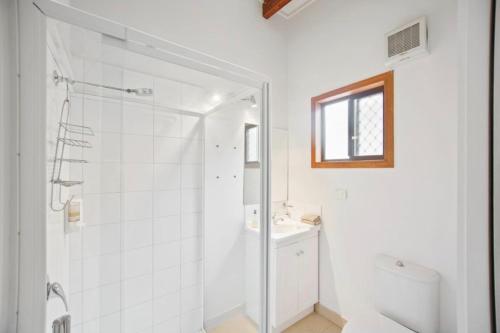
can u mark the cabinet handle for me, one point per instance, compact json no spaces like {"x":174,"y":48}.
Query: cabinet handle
{"x":297,"y":254}
{"x":301,"y":252}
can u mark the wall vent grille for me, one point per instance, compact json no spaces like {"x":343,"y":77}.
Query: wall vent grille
{"x":407,"y":42}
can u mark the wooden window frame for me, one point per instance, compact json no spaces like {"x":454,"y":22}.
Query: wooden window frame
{"x":384,"y":81}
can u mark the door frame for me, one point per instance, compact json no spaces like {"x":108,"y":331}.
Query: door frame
{"x":32,"y":128}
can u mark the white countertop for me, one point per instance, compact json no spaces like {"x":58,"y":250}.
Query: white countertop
{"x":287,"y":230}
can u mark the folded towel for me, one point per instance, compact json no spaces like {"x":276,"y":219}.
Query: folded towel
{"x":311,"y":219}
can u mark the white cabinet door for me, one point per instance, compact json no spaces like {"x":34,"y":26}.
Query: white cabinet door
{"x":287,"y":283}
{"x":308,"y":273}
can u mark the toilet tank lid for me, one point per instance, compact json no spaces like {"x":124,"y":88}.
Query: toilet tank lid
{"x":405,"y":269}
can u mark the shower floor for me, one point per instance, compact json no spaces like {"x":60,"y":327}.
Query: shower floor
{"x":314,"y":323}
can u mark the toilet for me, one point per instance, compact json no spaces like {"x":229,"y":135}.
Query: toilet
{"x":406,"y":299}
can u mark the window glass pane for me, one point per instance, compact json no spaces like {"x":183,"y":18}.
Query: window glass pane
{"x":252,"y":144}
{"x":336,"y":131}
{"x":369,"y":125}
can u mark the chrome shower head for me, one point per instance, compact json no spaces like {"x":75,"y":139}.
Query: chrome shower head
{"x":141,"y":91}
{"x":251,"y":100}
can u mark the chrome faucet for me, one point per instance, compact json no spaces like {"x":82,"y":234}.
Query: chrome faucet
{"x":277,"y":219}
{"x":63,"y":323}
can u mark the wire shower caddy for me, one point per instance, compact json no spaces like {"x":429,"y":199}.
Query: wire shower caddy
{"x":65,"y":138}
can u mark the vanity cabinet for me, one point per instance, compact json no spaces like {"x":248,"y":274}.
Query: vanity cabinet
{"x":293,"y":276}
{"x":294,"y":280}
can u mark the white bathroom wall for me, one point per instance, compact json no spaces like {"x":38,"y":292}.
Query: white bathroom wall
{"x":224,"y":223}
{"x":8,"y":175}
{"x":230,"y":30}
{"x":409,"y":211}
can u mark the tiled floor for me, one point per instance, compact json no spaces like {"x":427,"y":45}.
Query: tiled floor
{"x":313,"y":323}
{"x":239,"y":323}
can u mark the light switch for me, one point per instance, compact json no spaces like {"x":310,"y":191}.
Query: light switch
{"x":341,"y":194}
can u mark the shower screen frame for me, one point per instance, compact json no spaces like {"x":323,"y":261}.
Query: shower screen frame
{"x":31,"y":288}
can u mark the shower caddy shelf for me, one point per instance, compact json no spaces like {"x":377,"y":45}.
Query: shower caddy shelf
{"x":63,"y":140}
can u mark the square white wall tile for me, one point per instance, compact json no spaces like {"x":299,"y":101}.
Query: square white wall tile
{"x":167,"y":150}
{"x":192,"y":151}
{"x":191,"y":274}
{"x":76,"y":112}
{"x":167,"y":176}
{"x":75,"y":304}
{"x":75,"y":246}
{"x":136,"y":291}
{"x":137,"y":318}
{"x":166,"y":281}
{"x":137,"y":206}
{"x":167,"y":229}
{"x":75,"y":276}
{"x":137,"y":262}
{"x":110,"y":177}
{"x":167,"y":255}
{"x":192,"y":322}
{"x":191,"y":225}
{"x":101,"y":208}
{"x":138,"y":119}
{"x":111,"y":116}
{"x":101,"y":301}
{"x":192,"y":176}
{"x":191,"y":201}
{"x":92,"y":178}
{"x":167,"y":203}
{"x":99,"y":240}
{"x":105,"y":324}
{"x":166,"y":307}
{"x":191,"y":298}
{"x":137,"y":234}
{"x":191,"y":249}
{"x":110,"y":208}
{"x":111,"y":323}
{"x":171,"y":325}
{"x":92,"y":109}
{"x":167,"y":124}
{"x":137,"y":148}
{"x":110,"y":147}
{"x":137,"y":177}
{"x":101,"y":270}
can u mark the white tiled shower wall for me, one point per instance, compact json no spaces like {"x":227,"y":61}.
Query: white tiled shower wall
{"x":136,"y":266}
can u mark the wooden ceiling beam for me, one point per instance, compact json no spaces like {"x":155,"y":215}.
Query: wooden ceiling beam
{"x":271,"y":7}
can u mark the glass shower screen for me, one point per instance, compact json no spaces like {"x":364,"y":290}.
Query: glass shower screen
{"x":152,"y":219}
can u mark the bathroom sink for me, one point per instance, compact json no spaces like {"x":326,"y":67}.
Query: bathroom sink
{"x":287,"y":228}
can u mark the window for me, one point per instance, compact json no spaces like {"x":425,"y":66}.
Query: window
{"x":352,"y":127}
{"x":251,"y":145}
